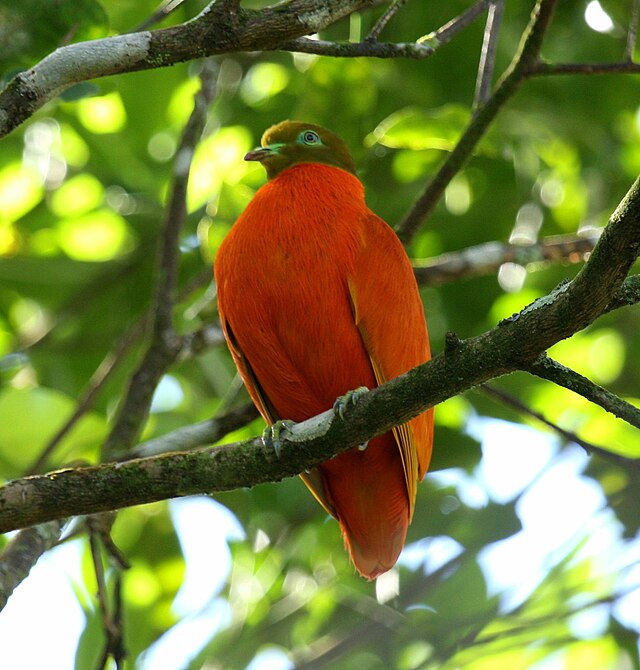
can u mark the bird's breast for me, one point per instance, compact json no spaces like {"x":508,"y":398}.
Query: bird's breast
{"x":286,"y":268}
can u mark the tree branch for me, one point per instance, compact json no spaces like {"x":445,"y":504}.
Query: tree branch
{"x":370,"y":49}
{"x":486,"y":258}
{"x":589,"y":447}
{"x":222,"y":27}
{"x":165,"y":345}
{"x":422,"y":48}
{"x":520,"y":68}
{"x":198,"y":434}
{"x":392,"y":10}
{"x":21,"y":554}
{"x":628,"y":294}
{"x":91,"y":392}
{"x":584,"y":68}
{"x":513,"y":344}
{"x":546,"y":368}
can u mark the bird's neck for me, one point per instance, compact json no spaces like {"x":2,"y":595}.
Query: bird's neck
{"x":318,"y":181}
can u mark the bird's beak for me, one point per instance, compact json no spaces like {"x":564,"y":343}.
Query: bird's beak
{"x":260,"y":154}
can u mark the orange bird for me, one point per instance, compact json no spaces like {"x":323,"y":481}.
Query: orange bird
{"x":316,"y":297}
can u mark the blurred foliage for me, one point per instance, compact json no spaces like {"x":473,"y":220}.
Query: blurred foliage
{"x":83,"y":187}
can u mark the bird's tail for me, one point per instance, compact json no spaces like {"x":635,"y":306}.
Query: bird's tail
{"x":369,"y":493}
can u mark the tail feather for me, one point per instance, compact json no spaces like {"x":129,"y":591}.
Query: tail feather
{"x":369,"y":493}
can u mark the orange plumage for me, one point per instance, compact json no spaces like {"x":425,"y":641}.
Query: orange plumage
{"x":317,"y":297}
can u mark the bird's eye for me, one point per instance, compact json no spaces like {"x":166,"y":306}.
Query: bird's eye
{"x":310,"y":137}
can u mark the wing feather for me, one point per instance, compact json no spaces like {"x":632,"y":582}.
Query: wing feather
{"x":312,"y":479}
{"x":390,"y":318}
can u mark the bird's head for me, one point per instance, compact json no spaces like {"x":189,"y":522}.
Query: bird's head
{"x":291,"y":142}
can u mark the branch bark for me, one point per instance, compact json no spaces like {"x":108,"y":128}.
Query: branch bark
{"x":222,"y":27}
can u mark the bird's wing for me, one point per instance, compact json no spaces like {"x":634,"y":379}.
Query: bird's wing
{"x":312,"y":478}
{"x":389,"y":315}
{"x":250,"y":381}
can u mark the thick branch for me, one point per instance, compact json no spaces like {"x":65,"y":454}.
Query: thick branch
{"x":511,"y":345}
{"x":222,"y":27}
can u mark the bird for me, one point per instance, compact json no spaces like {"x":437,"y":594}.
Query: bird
{"x":317,"y":297}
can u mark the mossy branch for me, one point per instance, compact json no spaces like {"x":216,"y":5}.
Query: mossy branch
{"x":513,"y":344}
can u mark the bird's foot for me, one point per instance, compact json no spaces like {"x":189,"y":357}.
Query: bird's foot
{"x":272,"y":435}
{"x":349,"y":398}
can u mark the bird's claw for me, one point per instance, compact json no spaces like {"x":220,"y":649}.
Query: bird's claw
{"x":349,"y":398}
{"x":271,"y":435}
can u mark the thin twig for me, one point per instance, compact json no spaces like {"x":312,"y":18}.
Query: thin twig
{"x":545,"y":69}
{"x":632,"y":32}
{"x":198,"y":434}
{"x":488,"y":53}
{"x":453,"y":27}
{"x":165,"y":344}
{"x":555,"y":372}
{"x":416,"y":50}
{"x":589,"y":447}
{"x":520,"y":68}
{"x":422,"y":48}
{"x":165,"y":8}
{"x":374,"y":34}
{"x":91,"y":392}
{"x":112,"y":622}
{"x":483,"y":259}
{"x":192,"y":344}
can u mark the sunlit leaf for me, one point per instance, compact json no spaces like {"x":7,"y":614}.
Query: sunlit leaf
{"x":598,"y":354}
{"x":263,"y":81}
{"x":218,"y":159}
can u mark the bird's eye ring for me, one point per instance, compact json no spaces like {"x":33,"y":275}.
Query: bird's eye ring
{"x":310,"y":137}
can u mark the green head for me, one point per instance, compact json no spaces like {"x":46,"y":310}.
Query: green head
{"x":292,"y":142}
